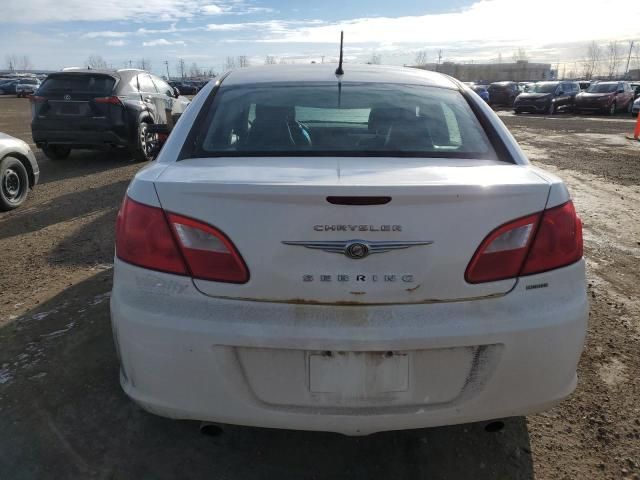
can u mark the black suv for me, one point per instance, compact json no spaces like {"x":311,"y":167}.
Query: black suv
{"x":98,"y":109}
{"x":547,"y":97}
{"x":503,"y":93}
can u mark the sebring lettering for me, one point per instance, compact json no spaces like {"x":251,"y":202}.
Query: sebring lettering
{"x":357,"y":228}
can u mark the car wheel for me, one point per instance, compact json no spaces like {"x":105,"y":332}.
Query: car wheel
{"x":142,"y":151}
{"x":56,"y":152}
{"x":552,"y":109}
{"x":613,"y":108}
{"x":517,"y":111}
{"x":14,"y":183}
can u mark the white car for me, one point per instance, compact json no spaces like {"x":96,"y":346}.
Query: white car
{"x":27,"y":86}
{"x":19,"y":172}
{"x":350,"y":253}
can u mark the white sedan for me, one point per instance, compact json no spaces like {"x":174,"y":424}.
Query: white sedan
{"x":19,"y":172}
{"x":350,"y":253}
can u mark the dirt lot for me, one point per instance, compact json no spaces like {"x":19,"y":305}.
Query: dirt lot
{"x":63,"y":415}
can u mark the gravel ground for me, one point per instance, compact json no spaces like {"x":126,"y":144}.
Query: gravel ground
{"x":63,"y":415}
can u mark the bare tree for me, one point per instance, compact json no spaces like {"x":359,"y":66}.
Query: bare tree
{"x":96,"y":62}
{"x":421,"y":57}
{"x":592,"y":61}
{"x":18,"y":62}
{"x":243,"y":61}
{"x":520,"y":55}
{"x":283,"y":61}
{"x":144,"y":64}
{"x":12,"y":61}
{"x":181,"y":67}
{"x":269,"y":60}
{"x":230,"y":63}
{"x":613,"y":58}
{"x":194,"y":70}
{"x":375,"y":59}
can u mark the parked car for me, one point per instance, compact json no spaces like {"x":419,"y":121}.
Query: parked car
{"x":547,"y":97}
{"x":27,"y":86}
{"x":584,"y":84}
{"x":9,"y":87}
{"x":481,"y":90}
{"x":101,"y":109}
{"x":185,"y":88}
{"x":636,"y":89}
{"x":391,"y":263}
{"x":18,"y":172}
{"x":526,"y":86}
{"x":635,"y":108}
{"x":503,"y":93}
{"x":608,"y":97}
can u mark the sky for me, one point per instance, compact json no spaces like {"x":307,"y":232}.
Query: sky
{"x":59,"y":33}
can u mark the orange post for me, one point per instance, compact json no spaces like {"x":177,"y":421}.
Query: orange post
{"x":636,"y":132}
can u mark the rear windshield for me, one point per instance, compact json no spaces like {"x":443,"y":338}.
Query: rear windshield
{"x":603,"y":88}
{"x":354,"y":120}
{"x":100,"y":85}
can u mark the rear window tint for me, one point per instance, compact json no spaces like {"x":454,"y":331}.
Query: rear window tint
{"x":357,"y":120}
{"x":92,"y":84}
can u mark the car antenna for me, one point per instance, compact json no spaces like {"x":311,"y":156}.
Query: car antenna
{"x":339,"y":70}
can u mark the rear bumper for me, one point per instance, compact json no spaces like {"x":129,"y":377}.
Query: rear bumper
{"x":185,"y":355}
{"x":79,"y":138}
{"x":532,"y":107}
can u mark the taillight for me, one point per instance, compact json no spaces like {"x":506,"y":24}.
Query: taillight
{"x":558,"y":241}
{"x":113,"y":100}
{"x":149,"y":238}
{"x":210,"y":255}
{"x":143,"y":238}
{"x":533,"y":244}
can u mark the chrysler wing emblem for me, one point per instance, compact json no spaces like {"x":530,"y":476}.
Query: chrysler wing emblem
{"x":357,"y":249}
{"x":67,"y":97}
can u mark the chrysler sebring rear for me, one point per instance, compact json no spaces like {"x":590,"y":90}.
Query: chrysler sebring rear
{"x":352,"y":253}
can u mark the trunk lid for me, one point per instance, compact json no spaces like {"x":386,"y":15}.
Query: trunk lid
{"x":260,"y":203}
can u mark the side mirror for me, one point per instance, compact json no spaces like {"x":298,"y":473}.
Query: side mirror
{"x":620,"y":90}
{"x":176,"y":92}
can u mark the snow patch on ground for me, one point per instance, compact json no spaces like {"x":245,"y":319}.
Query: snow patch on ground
{"x":5,"y":374}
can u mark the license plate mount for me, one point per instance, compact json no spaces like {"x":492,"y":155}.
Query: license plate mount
{"x":358,"y":374}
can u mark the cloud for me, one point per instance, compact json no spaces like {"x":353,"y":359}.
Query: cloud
{"x":116,"y":43}
{"x":212,"y":9}
{"x":162,"y":42}
{"x":106,"y":34}
{"x":267,"y":28}
{"x":42,"y":11}
{"x":483,"y":21}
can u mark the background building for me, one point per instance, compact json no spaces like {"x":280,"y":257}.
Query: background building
{"x":520,"y":71}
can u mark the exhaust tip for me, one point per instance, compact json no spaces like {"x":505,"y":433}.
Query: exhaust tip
{"x":493,"y":427}
{"x":210,"y":429}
